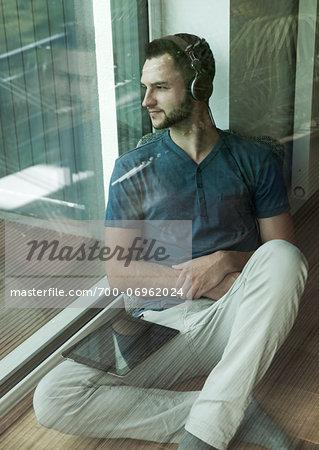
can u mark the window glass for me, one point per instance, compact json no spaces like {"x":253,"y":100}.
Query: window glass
{"x":130,"y":33}
{"x":263,"y":69}
{"x":50,"y":151}
{"x":274,"y":82}
{"x":269,"y":31}
{"x":51,"y":157}
{"x":49,"y":111}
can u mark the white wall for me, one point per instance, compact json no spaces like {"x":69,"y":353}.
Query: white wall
{"x":208,"y":19}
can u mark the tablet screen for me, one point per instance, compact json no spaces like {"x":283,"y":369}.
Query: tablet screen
{"x":120,"y":344}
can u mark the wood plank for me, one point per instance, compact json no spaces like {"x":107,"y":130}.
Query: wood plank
{"x":296,"y":410}
{"x":27,"y":434}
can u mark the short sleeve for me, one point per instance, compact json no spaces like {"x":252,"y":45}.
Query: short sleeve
{"x":270,"y":195}
{"x":124,"y":201}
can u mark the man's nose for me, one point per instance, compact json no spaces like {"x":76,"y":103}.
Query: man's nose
{"x":149,"y":99}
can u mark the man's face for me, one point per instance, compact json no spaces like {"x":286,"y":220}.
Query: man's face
{"x":166,"y":98}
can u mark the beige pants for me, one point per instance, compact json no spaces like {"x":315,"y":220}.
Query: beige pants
{"x":233,"y":341}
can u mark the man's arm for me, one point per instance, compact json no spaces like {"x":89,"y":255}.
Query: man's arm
{"x":224,"y":265}
{"x":277,"y":227}
{"x":136,"y":274}
{"x":212,"y":275}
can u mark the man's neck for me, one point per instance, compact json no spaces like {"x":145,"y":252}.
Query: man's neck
{"x":197,"y":136}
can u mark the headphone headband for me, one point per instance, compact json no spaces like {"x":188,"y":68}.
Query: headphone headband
{"x":177,"y":40}
{"x":201,"y":86}
{"x":188,"y":49}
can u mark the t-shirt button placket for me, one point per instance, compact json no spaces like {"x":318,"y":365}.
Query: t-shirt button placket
{"x":201,"y":195}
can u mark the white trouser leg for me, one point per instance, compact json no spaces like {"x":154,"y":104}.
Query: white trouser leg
{"x":259,"y":311}
{"x":74,"y":399}
{"x":77,"y":399}
{"x":234,"y":340}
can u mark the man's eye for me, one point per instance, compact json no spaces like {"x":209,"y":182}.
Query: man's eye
{"x":161,"y":87}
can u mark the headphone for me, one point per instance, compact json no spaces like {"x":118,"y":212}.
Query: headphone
{"x":201,"y":86}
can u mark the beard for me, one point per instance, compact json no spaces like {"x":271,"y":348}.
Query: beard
{"x":176,"y":115}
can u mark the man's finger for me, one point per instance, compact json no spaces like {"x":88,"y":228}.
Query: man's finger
{"x":180,"y":280}
{"x":190,"y":293}
{"x":186,"y":288}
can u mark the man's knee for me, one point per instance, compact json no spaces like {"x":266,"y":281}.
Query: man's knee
{"x":281,"y":246}
{"x":284,"y":263}
{"x":58,"y":396}
{"x":277,"y":273}
{"x":43,"y":401}
{"x":48,"y":400}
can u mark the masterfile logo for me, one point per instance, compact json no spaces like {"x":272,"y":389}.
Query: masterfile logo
{"x":140,"y":250}
{"x":52,"y":264}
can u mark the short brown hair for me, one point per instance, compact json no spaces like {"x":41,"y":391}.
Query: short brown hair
{"x":160,"y":46}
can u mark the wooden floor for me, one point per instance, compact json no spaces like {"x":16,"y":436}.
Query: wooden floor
{"x":289,"y":393}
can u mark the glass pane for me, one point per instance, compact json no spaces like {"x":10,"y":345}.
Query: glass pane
{"x":130,"y":33}
{"x":49,"y":110}
{"x":263,"y":69}
{"x":50,"y":157}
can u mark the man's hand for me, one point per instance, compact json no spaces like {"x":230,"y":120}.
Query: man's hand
{"x":223,"y":287}
{"x":202,"y":275}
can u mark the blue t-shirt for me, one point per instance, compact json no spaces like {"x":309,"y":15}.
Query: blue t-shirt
{"x":238,"y":182}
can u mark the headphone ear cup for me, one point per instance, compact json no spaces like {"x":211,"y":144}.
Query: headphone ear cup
{"x":201,"y":87}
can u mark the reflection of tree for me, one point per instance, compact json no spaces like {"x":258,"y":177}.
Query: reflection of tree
{"x":263,"y":58}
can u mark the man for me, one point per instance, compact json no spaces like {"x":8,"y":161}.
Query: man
{"x":245,"y":276}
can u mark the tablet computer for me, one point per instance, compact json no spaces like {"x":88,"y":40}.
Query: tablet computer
{"x":120,"y":344}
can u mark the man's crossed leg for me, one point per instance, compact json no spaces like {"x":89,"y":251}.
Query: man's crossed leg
{"x":233,"y":341}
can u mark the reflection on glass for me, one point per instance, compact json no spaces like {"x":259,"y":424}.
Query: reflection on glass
{"x":130,"y":32}
{"x":49,"y":117}
{"x":50,"y":153}
{"x":271,"y":76}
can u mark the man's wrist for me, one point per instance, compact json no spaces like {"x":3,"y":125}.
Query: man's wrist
{"x":223,"y":287}
{"x":227,"y":260}
{"x":231,"y":260}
